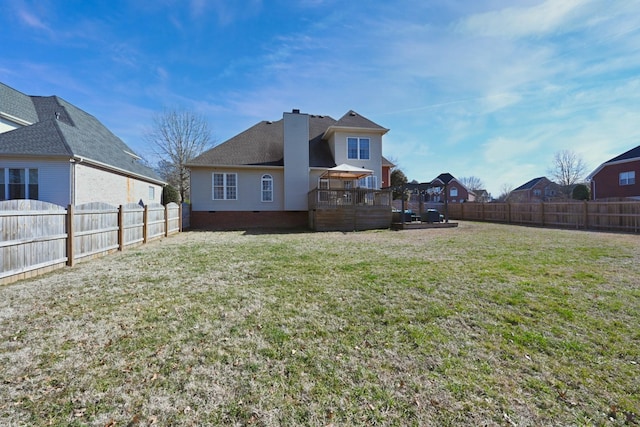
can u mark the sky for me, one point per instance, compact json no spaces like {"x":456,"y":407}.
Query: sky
{"x":484,"y":88}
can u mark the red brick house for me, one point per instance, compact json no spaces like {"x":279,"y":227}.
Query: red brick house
{"x":539,"y":189}
{"x":456,"y":191}
{"x":616,"y":178}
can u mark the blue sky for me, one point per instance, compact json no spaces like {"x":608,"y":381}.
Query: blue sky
{"x":485,"y":88}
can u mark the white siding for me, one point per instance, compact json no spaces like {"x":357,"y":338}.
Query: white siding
{"x":54,"y":182}
{"x":6,"y":125}
{"x":97,"y":185}
{"x":338,"y":143}
{"x":249,"y":190}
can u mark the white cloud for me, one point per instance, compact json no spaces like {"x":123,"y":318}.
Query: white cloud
{"x":514,"y":22}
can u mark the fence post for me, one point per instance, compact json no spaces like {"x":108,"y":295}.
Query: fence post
{"x":166,"y":220}
{"x":508,"y":213}
{"x":462,"y":211}
{"x":145,"y":221}
{"x":586,"y":215}
{"x":180,"y":217}
{"x":482,"y":211}
{"x":70,"y":255}
{"x":542,"y":214}
{"x":121,"y":228}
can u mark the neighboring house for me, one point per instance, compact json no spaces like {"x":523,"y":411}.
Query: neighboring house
{"x":263,"y":176}
{"x":537,"y":190}
{"x":616,"y":178}
{"x":50,"y":150}
{"x":456,"y":191}
{"x":482,"y":196}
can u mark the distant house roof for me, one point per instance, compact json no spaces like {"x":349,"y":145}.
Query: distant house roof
{"x":627,"y":156}
{"x":52,"y":127}
{"x":445,"y":178}
{"x":529,"y":184}
{"x":263,"y":143}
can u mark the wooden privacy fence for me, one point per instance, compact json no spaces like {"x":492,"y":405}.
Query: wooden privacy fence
{"x":592,"y":215}
{"x":37,"y":237}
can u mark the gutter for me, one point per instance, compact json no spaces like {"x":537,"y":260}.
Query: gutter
{"x":80,"y":159}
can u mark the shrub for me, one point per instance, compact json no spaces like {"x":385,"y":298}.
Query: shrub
{"x":170,"y":194}
{"x":580,"y":192}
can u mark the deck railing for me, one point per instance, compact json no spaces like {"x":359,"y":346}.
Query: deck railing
{"x":322,"y":198}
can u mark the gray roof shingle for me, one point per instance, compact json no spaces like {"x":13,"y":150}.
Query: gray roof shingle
{"x":62,"y":129}
{"x":634,"y":153}
{"x":17,"y":104}
{"x":263,"y":143}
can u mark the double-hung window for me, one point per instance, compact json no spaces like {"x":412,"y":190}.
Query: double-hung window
{"x":225,"y":186}
{"x":358,"y":148}
{"x":18,"y":183}
{"x":628,"y":178}
{"x":267,"y":188}
{"x":370,"y":181}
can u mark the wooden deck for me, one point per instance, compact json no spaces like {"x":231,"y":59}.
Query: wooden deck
{"x":417,"y":225}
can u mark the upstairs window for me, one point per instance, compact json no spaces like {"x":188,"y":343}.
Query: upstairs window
{"x":358,"y":148}
{"x":267,"y":188}
{"x":627,"y":178}
{"x":225,"y":186}
{"x":453,"y":192}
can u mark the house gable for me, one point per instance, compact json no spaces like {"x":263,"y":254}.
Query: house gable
{"x":618,"y":177}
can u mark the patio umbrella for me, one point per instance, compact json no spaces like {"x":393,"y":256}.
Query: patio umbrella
{"x":345,"y":171}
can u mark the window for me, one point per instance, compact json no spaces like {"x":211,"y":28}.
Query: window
{"x":18,"y":183}
{"x":17,"y":187}
{"x":33,"y":184}
{"x":152,"y":193}
{"x":267,"y":188}
{"x":370,"y":181}
{"x":358,"y":148}
{"x":537,"y":192}
{"x":627,"y":178}
{"x":453,"y":192}
{"x":225,"y":186}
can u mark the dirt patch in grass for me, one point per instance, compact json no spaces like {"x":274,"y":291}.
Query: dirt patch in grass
{"x":481,"y":324}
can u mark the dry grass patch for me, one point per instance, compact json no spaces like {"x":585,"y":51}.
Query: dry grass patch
{"x":483,"y":324}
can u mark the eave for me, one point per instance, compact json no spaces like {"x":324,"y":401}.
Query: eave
{"x":604,"y":165}
{"x":347,"y":129}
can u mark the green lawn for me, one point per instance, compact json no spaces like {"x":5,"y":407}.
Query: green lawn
{"x":477,"y":325}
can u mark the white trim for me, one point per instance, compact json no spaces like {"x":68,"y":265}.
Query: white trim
{"x":270,"y":190}
{"x":79,"y":159}
{"x":332,"y":129}
{"x":225,"y":186}
{"x":15,"y":119}
{"x":618,"y":162}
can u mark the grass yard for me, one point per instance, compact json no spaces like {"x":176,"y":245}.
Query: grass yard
{"x":482,"y":324}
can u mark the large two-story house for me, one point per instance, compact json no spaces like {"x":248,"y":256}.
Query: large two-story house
{"x":50,"y":150}
{"x":539,"y":189}
{"x":285,"y":173}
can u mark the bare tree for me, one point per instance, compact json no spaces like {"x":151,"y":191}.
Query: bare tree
{"x":568,"y":168}
{"x":178,"y":136}
{"x":472,"y":183}
{"x":505,"y":191}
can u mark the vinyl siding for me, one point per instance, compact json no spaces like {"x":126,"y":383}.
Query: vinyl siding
{"x":53,"y":178}
{"x":248,"y":188}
